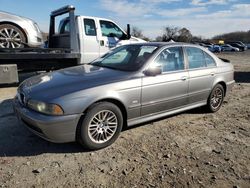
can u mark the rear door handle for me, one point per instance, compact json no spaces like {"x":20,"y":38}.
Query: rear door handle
{"x":184,"y":78}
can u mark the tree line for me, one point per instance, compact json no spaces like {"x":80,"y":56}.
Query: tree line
{"x":243,"y":36}
{"x":184,"y":35}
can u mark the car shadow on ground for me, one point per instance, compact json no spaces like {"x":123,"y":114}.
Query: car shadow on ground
{"x":17,"y":140}
{"x":242,"y":77}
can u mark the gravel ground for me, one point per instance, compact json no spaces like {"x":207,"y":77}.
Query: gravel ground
{"x":191,"y":149}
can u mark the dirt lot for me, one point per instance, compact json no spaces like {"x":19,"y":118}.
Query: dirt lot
{"x":192,"y":149}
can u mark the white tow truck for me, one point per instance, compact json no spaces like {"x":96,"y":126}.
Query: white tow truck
{"x":77,"y":40}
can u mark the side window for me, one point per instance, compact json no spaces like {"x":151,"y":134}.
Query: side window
{"x":89,"y":27}
{"x":171,"y":59}
{"x":109,"y":29}
{"x":209,"y":60}
{"x":64,"y":27}
{"x":196,"y":57}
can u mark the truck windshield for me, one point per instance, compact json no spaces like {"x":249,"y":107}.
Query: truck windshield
{"x":127,"y":58}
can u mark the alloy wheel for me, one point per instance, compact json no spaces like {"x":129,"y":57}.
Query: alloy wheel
{"x":10,"y":38}
{"x":216,"y":98}
{"x":102,"y":126}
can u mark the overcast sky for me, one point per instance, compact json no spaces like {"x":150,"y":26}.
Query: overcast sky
{"x":202,"y":17}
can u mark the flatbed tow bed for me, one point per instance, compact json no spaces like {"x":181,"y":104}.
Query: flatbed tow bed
{"x":34,"y":59}
{"x":14,"y":61}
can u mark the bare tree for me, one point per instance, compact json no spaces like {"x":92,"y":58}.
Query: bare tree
{"x":136,"y":32}
{"x":184,"y":35}
{"x":170,"y":33}
{"x":159,"y":39}
{"x":176,"y":34}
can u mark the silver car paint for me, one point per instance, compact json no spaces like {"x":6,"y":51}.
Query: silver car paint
{"x":141,"y":97}
{"x":30,"y":28}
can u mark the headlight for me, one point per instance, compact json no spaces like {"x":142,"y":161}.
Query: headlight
{"x":50,"y":109}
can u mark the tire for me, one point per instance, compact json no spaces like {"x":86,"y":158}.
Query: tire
{"x":100,"y":126}
{"x":11,"y":37}
{"x":215,"y":98}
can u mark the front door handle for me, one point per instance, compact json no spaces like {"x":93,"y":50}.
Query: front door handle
{"x":212,"y":73}
{"x":184,"y":78}
{"x":101,"y":42}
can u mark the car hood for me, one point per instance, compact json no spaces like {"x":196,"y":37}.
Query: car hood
{"x":50,"y":86}
{"x":9,"y":16}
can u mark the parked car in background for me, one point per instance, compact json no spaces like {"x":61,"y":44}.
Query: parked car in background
{"x":241,"y":43}
{"x":242,"y":47}
{"x":213,"y":48}
{"x":132,"y":84}
{"x":18,"y":32}
{"x":216,"y":48}
{"x":228,"y":47}
{"x":209,"y":47}
{"x":208,"y":43}
{"x":201,"y":44}
{"x":248,"y":46}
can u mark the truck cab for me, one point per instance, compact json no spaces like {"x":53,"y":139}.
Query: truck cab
{"x":95,"y":36}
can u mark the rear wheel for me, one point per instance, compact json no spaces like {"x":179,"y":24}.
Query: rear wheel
{"x":215,"y":98}
{"x":11,"y":37}
{"x":100,"y":127}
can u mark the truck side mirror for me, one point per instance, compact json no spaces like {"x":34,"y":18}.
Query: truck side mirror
{"x":128,"y":32}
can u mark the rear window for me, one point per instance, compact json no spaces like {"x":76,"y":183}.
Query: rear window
{"x":196,"y":58}
{"x":89,"y":27}
{"x":64,"y":27}
{"x":209,"y":60}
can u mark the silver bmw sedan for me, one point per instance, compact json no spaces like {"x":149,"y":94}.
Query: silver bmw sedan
{"x":132,"y":84}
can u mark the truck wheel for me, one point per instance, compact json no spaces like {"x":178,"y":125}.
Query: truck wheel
{"x":100,"y":126}
{"x":215,"y":98}
{"x":11,"y":36}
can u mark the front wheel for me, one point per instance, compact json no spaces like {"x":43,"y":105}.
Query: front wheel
{"x":11,"y":37}
{"x":100,"y":126}
{"x":215,"y":98}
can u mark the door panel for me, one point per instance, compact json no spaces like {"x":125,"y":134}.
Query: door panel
{"x":201,"y":74}
{"x":200,"y":84}
{"x":110,"y":35}
{"x":90,"y":44}
{"x":164,"y":92}
{"x":168,"y":90}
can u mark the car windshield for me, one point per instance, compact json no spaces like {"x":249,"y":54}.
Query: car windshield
{"x":126,"y":58}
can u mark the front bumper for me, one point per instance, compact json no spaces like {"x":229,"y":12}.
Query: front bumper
{"x":58,"y":129}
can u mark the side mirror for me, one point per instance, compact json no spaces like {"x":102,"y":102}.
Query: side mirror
{"x":128,"y":32}
{"x":153,"y":71}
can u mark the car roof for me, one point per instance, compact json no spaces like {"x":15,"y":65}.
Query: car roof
{"x":161,"y":44}
{"x":7,"y":15}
